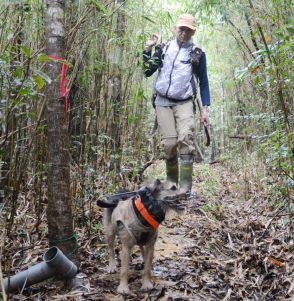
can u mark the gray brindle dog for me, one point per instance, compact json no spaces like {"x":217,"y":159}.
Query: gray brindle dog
{"x":136,"y":221}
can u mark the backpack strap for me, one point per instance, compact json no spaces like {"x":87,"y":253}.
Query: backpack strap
{"x":163,"y":48}
{"x":195,"y":57}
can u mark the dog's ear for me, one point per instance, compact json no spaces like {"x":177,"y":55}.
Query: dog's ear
{"x":156,"y":185}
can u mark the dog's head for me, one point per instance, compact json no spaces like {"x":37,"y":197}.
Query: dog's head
{"x":164,"y":195}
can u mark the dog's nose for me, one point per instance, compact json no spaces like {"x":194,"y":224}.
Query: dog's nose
{"x":174,"y":187}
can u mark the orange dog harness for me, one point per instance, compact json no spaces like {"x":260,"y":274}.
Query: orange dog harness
{"x":144,"y":213}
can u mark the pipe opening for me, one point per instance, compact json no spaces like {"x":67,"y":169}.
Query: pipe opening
{"x":50,"y":254}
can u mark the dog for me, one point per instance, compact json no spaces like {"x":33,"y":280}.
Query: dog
{"x":136,"y":221}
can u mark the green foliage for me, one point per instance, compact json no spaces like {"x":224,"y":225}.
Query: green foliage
{"x":207,"y":180}
{"x":156,"y":171}
{"x":215,"y":209}
{"x":19,"y":82}
{"x":98,"y":226}
{"x":279,"y":159}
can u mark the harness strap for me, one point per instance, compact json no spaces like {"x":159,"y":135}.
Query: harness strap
{"x":144,"y":213}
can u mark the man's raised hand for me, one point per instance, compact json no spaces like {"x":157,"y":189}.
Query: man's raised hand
{"x":151,"y":41}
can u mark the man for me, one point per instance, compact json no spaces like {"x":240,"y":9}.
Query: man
{"x":175,"y":89}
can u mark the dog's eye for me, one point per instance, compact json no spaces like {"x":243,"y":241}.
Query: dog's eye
{"x":174,"y":187}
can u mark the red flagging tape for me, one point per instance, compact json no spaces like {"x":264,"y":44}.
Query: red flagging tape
{"x":64,"y":91}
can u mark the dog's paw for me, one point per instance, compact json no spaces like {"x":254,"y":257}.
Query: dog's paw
{"x":123,"y":289}
{"x":147,"y":285}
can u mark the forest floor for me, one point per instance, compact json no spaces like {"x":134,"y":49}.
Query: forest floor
{"x":231,"y":243}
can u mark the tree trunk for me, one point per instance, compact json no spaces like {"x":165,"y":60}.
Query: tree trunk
{"x":59,"y":212}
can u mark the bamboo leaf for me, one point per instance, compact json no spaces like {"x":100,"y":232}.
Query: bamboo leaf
{"x":26,"y":50}
{"x":42,"y":57}
{"x":24,"y":91}
{"x":40,"y":82}
{"x":276,"y":261}
{"x":100,"y":6}
{"x":43,"y":75}
{"x":149,"y":19}
{"x":170,"y":17}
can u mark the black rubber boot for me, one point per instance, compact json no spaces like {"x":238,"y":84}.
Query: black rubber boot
{"x":186,"y":170}
{"x":172,"y":169}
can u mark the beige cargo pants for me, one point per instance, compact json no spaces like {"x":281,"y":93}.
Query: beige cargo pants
{"x":176,"y":126}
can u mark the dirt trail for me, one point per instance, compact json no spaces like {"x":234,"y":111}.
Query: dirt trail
{"x":221,"y":248}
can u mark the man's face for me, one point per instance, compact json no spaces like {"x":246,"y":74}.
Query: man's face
{"x":183,"y":33}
